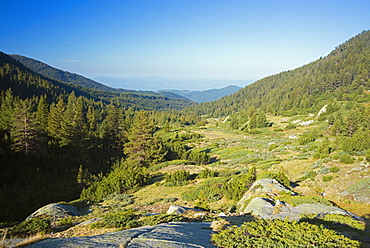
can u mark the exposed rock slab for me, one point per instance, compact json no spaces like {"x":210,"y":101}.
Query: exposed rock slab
{"x":56,"y":210}
{"x":268,"y":209}
{"x":178,"y":234}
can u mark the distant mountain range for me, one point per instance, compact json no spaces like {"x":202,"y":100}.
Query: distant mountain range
{"x":164,"y":84}
{"x":207,"y":95}
{"x":130,"y":85}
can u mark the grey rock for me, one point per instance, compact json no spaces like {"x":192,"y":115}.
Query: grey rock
{"x":56,"y":210}
{"x":263,"y":186}
{"x":319,"y":209}
{"x":260,"y":207}
{"x":267,"y":209}
{"x":178,"y":234}
{"x":175,"y":209}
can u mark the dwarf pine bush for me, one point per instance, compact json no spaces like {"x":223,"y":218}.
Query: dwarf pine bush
{"x":281,"y":234}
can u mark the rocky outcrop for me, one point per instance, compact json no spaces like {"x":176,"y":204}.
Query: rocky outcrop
{"x":264,"y":186}
{"x":269,"y":209}
{"x":176,"y":235}
{"x":56,"y":210}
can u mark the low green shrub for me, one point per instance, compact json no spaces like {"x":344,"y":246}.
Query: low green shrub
{"x":325,"y":170}
{"x":178,"y":178}
{"x":360,"y":187}
{"x":30,"y":227}
{"x":337,"y":222}
{"x":238,"y":184}
{"x":210,"y":191}
{"x":160,"y":218}
{"x":170,"y":199}
{"x":291,"y":126}
{"x":279,"y":233}
{"x":298,"y":200}
{"x":309,"y":174}
{"x":334,"y":169}
{"x":346,"y":159}
{"x":125,"y":219}
{"x":279,"y":176}
{"x":207,"y":173}
{"x":309,"y":137}
{"x":124,"y":199}
{"x":327,"y":178}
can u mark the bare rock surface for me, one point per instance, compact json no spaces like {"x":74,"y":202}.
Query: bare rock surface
{"x":175,"y":209}
{"x":56,"y":210}
{"x":177,"y":234}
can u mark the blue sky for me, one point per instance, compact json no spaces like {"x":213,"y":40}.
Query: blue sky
{"x":208,"y":39}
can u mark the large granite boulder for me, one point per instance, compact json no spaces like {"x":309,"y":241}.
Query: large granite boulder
{"x":264,"y":186}
{"x":56,"y":210}
{"x":268,"y":209}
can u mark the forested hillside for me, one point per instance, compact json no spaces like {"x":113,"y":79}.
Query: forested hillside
{"x":73,"y":78}
{"x":56,"y":137}
{"x":26,"y":83}
{"x":342,"y":75}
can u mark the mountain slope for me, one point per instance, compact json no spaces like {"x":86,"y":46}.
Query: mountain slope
{"x":26,"y":83}
{"x":73,"y":78}
{"x":342,"y":75}
{"x":207,"y":95}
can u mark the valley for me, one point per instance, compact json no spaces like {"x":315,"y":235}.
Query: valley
{"x":121,"y":159}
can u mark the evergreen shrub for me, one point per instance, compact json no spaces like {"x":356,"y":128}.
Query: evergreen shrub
{"x":207,"y":173}
{"x":279,"y":176}
{"x":346,"y":159}
{"x":160,"y":218}
{"x":298,"y":200}
{"x":327,"y":178}
{"x":30,"y":227}
{"x":281,"y":234}
{"x":336,"y":221}
{"x":178,"y":178}
{"x":125,"y":219}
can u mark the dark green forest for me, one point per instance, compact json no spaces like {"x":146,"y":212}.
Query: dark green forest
{"x":56,"y":138}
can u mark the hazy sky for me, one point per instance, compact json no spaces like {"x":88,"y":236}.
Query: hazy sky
{"x":208,"y":39}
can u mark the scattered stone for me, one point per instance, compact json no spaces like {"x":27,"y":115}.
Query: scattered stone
{"x":56,"y":210}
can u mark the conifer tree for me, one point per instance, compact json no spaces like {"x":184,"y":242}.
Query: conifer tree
{"x":23,"y":130}
{"x":143,"y":147}
{"x":42,"y":113}
{"x":55,"y":119}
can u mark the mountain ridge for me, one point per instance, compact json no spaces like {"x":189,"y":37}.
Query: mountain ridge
{"x":335,"y":77}
{"x":207,"y":95}
{"x":28,"y":83}
{"x":74,"y":78}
